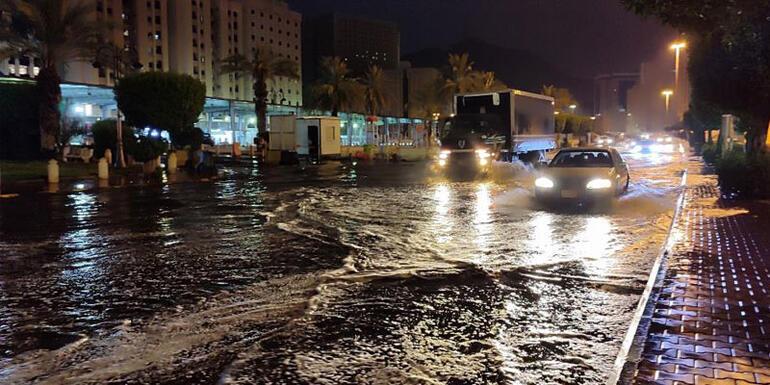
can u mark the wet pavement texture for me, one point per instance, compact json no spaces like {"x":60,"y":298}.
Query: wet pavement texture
{"x":336,"y":274}
{"x":710,"y":323}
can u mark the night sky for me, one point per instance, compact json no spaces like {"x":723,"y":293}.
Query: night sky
{"x":581,"y":37}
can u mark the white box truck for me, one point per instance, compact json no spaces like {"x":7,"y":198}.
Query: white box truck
{"x":501,"y":125}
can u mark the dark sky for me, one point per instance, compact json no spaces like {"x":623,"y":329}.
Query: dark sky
{"x":581,"y":37}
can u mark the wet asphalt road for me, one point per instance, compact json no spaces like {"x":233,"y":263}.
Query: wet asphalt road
{"x":337,"y":274}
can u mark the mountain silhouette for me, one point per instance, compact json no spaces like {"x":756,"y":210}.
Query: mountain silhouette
{"x":517,"y":68}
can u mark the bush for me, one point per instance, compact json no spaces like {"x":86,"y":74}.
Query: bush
{"x":734,"y":171}
{"x":744,"y":175}
{"x":162,"y":100}
{"x":710,"y":152}
{"x":193,"y":138}
{"x":19,"y":127}
{"x":147,"y":148}
{"x":105,"y":136}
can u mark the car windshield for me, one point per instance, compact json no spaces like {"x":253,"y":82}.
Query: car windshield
{"x":582,"y":159}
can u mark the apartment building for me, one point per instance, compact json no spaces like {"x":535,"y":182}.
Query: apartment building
{"x":191,"y":37}
{"x":190,"y":46}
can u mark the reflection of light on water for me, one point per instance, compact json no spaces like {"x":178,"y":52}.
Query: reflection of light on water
{"x":481,"y":221}
{"x":593,"y":244}
{"x":83,"y":205}
{"x":541,"y":240}
{"x":442,"y":196}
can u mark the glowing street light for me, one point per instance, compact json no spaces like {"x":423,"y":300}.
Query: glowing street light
{"x":667,"y":94}
{"x":677,"y":47}
{"x":572,"y":107}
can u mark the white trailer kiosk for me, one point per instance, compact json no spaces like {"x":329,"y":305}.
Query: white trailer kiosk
{"x":318,"y":137}
{"x":314,"y":137}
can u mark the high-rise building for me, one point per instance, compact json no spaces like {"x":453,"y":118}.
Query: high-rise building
{"x":190,"y":49}
{"x":243,"y":26}
{"x":360,"y":43}
{"x":611,"y":100}
{"x":649,"y":108}
{"x":190,"y":37}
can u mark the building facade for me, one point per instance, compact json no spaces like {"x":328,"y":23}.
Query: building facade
{"x":611,"y":100}
{"x":184,"y":36}
{"x":649,"y":108}
{"x":360,"y":43}
{"x":191,"y":37}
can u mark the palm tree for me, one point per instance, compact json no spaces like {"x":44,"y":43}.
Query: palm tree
{"x":488,"y":81}
{"x":373,"y":84}
{"x":562,"y":97}
{"x":335,"y":90}
{"x":433,"y":98}
{"x":54,"y":32}
{"x":264,"y":67}
{"x":374,"y":90}
{"x":461,"y":78}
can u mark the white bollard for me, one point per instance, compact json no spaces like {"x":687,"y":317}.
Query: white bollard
{"x":53,"y":171}
{"x":171,"y":163}
{"x":104,"y":169}
{"x":108,"y":156}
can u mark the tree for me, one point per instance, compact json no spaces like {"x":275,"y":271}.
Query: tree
{"x":163,"y":100}
{"x":489,"y":82}
{"x":460,"y":78}
{"x":335,"y":90}
{"x":105,"y":135}
{"x":729,"y":52}
{"x":374,"y":90}
{"x":54,"y":32}
{"x":264,"y":67}
{"x":432,"y":98}
{"x":561,"y":96}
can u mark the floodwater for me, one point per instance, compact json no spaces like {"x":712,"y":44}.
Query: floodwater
{"x":337,"y":274}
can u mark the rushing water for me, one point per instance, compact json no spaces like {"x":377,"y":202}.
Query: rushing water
{"x":338,"y":274}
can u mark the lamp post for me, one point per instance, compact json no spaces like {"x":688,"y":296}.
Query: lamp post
{"x":667,"y":94}
{"x":112,"y":57}
{"x":677,"y":47}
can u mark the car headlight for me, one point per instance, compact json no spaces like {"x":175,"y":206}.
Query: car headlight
{"x":482,"y":154}
{"x":483,"y":161}
{"x":442,"y":162}
{"x":609,"y":141}
{"x":444,"y":154}
{"x":668,"y":139}
{"x":597,"y":184}
{"x":543,"y":182}
{"x":600,"y":141}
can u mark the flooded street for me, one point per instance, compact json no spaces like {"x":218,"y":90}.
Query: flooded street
{"x":338,"y":274}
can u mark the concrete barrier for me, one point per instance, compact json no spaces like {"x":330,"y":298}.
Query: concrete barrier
{"x":53,"y":171}
{"x":171,"y":166}
{"x":104,"y":169}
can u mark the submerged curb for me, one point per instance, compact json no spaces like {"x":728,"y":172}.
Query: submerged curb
{"x":631,"y":350}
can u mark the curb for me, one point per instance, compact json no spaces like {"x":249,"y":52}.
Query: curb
{"x":633,"y":344}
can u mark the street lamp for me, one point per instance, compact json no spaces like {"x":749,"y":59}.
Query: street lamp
{"x":119,"y":60}
{"x":677,"y":47}
{"x":572,"y":107}
{"x":667,"y":94}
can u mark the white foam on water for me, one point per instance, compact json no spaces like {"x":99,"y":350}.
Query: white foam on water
{"x":159,"y":342}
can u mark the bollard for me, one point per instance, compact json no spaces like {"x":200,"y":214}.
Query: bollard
{"x":53,"y":171}
{"x":108,"y":156}
{"x":171,"y":166}
{"x":104,"y":169}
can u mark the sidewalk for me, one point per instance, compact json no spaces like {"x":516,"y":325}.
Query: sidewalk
{"x":710,"y":318}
